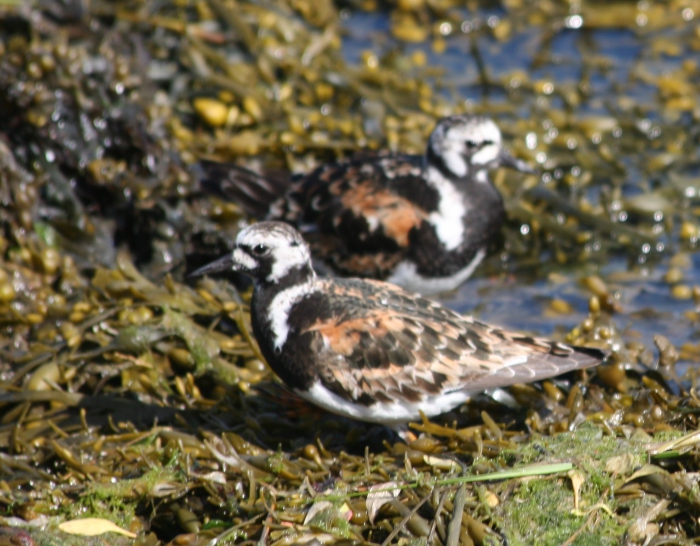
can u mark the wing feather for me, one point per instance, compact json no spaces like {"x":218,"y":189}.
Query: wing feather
{"x":392,"y":349}
{"x":362,"y":221}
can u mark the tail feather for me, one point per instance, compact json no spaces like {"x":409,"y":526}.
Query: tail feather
{"x":253,"y":192}
{"x":561,"y":359}
{"x":590,"y":356}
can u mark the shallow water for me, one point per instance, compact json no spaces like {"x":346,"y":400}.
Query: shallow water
{"x":562,"y":81}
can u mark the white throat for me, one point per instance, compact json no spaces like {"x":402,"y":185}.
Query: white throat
{"x":455,"y":163}
{"x":448,"y":219}
{"x":280,"y":307}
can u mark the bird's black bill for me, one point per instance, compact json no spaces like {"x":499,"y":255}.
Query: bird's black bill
{"x":222,"y":264}
{"x":507,"y":160}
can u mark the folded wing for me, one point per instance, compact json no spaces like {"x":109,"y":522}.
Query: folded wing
{"x":409,"y":347}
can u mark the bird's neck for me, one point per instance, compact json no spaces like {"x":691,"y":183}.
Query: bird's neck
{"x":265,"y":288}
{"x":269,"y":295}
{"x":450,"y":165}
{"x":468,"y":214}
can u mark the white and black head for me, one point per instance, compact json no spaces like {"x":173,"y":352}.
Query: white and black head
{"x":461,"y":145}
{"x":269,"y":252}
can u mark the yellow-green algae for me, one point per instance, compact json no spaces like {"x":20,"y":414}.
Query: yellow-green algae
{"x":115,"y":372}
{"x":545,"y":507}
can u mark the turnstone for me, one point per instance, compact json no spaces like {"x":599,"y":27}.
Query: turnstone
{"x":422,"y":222}
{"x":368,"y":350}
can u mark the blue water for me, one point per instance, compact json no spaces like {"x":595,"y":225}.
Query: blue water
{"x":620,"y":67}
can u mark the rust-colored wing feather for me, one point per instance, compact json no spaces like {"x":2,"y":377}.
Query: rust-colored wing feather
{"x":354,"y":215}
{"x":352,"y":192}
{"x":390,"y":345}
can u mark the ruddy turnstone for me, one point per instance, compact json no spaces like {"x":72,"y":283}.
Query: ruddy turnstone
{"x":367,"y":349}
{"x":422,"y":222}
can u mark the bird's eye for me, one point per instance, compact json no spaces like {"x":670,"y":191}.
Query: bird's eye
{"x":471,"y":144}
{"x":259,"y":250}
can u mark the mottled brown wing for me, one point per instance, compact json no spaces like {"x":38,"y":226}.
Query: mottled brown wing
{"x":391,"y":345}
{"x":360,"y":205}
{"x":369,"y":263}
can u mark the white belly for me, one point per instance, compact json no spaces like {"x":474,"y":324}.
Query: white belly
{"x":386,"y":413}
{"x":406,"y":276}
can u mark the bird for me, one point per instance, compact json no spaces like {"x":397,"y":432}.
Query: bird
{"x":424,"y":222}
{"x":368,"y":349}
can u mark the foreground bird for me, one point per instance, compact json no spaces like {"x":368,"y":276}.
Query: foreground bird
{"x":422,"y":222}
{"x":369,"y":350}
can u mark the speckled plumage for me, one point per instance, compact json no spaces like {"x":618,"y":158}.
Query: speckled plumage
{"x":370,"y":350}
{"x":424,"y":222}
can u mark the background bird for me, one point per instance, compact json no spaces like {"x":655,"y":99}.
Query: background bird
{"x":369,"y":350}
{"x":422,"y":222}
